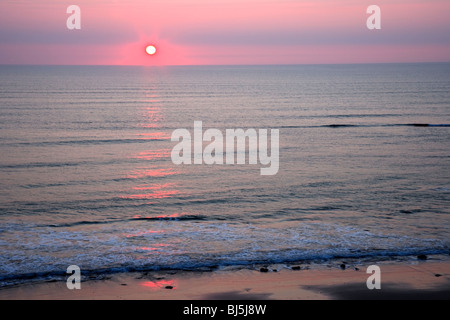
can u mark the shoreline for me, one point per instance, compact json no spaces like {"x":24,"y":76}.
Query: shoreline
{"x":335,"y":280}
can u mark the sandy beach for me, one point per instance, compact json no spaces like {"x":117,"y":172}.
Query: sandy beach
{"x":191,"y":153}
{"x":399,"y":280}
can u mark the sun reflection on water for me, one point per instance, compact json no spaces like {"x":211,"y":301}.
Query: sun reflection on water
{"x":154,"y":285}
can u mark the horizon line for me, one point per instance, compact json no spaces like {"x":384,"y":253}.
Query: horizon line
{"x":220,"y":65}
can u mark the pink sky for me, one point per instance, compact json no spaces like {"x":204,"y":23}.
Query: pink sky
{"x":115,"y":32}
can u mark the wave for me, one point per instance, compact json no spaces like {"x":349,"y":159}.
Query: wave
{"x":340,"y":125}
{"x":171,"y":217}
{"x":427,"y":125}
{"x":215,"y":262}
{"x":344,"y":125}
{"x":56,"y":165}
{"x":87,"y":142}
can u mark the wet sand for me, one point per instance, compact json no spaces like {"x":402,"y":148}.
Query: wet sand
{"x":399,"y":280}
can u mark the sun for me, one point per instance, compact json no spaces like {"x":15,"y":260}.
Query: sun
{"x":151,"y":50}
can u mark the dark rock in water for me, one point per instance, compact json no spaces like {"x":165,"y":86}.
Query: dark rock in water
{"x":438,"y":275}
{"x":275,"y":270}
{"x":263,"y":269}
{"x":356,"y":269}
{"x":169,"y":287}
{"x":422,"y":257}
{"x":296,"y":268}
{"x":123,"y":284}
{"x":342,"y":266}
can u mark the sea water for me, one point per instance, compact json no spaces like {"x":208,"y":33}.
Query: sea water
{"x":87,"y":177}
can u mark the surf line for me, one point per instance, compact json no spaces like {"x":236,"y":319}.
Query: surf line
{"x":191,"y":150}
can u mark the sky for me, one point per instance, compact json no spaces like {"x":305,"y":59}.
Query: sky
{"x":223,"y":32}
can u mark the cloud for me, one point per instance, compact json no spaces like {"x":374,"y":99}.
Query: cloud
{"x":102,"y":35}
{"x":289,"y":37}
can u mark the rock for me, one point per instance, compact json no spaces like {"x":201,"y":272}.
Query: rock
{"x":356,"y":269}
{"x":422,"y":257}
{"x":296,"y":268}
{"x":342,"y":266}
{"x":263,"y":269}
{"x":438,"y":275}
{"x":123,"y":284}
{"x":169,"y":287}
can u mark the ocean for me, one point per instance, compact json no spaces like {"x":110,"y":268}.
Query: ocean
{"x":87,"y":177}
